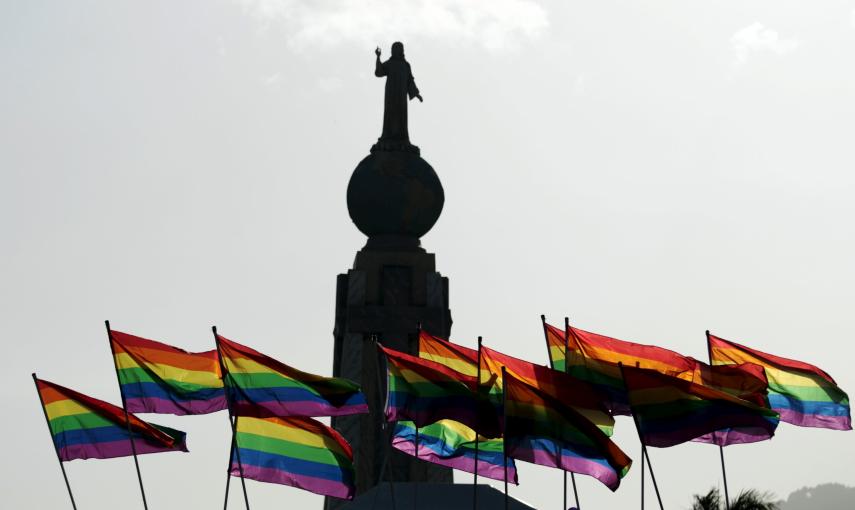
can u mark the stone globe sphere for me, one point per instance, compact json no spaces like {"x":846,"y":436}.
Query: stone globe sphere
{"x":394,"y":194}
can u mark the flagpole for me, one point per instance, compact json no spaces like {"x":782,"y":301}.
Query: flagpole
{"x":231,"y":417}
{"x":228,"y":474}
{"x":125,"y":409}
{"x":416,"y":444}
{"x":55,"y":449}
{"x":504,"y":430}
{"x":642,"y":476}
{"x":720,"y":447}
{"x":384,"y":423}
{"x":566,"y":368}
{"x":416,"y":486}
{"x":552,"y":366}
{"x":478,"y":394}
{"x":643,"y":446}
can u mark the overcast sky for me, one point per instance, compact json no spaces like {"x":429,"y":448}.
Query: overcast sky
{"x":651,"y":169}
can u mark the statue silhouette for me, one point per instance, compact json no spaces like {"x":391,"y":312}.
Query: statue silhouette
{"x":400,"y":86}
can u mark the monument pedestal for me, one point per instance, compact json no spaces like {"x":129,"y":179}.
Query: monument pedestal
{"x":430,"y":496}
{"x":394,"y":198}
{"x":386,"y":294}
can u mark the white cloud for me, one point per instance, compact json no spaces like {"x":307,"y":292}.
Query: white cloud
{"x":757,"y":39}
{"x":273,"y":79}
{"x":493,"y":24}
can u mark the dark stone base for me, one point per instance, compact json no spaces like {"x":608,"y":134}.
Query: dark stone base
{"x":432,"y":496}
{"x":394,"y":146}
{"x":392,"y":287}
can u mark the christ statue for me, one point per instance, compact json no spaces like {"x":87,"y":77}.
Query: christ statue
{"x":400,"y":86}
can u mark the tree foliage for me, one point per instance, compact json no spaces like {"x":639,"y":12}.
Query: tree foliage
{"x":750,"y":499}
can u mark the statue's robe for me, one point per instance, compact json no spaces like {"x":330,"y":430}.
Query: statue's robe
{"x":399,"y":85}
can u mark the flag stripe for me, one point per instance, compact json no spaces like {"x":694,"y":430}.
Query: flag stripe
{"x":262,"y":386}
{"x":452,"y":444}
{"x":158,"y":378}
{"x":803,"y":394}
{"x":580,"y":395}
{"x":296,"y":451}
{"x":541,"y":429}
{"x":84,"y":428}
{"x":669,"y":410}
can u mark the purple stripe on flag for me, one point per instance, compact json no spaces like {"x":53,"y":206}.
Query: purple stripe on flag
{"x":730,"y":437}
{"x":309,"y":483}
{"x":112,"y":449}
{"x":271,"y":409}
{"x":180,"y":408}
{"x":462,"y":462}
{"x":815,"y":420}
{"x":602,"y":472}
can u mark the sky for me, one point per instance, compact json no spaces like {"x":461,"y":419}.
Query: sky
{"x":650,"y":170}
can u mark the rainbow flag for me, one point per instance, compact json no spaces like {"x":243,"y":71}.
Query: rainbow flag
{"x":263,"y":387}
{"x":670,"y":411}
{"x":425,"y":392}
{"x":594,"y":358}
{"x":296,"y":451}
{"x":455,"y":357}
{"x":452,"y":444}
{"x":159,"y":378}
{"x":746,"y":381}
{"x":803,"y":394}
{"x":583,"y":397}
{"x":541,"y":430}
{"x":555,"y":345}
{"x":83,"y":427}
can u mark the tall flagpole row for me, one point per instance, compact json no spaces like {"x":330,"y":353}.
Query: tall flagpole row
{"x":55,"y":449}
{"x":720,"y":447}
{"x":125,"y":409}
{"x":232,"y":420}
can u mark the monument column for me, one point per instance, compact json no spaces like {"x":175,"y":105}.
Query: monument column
{"x":394,"y":197}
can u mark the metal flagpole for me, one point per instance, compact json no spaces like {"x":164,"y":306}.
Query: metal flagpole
{"x":231,"y":417}
{"x":566,"y":368}
{"x":642,"y":476}
{"x":504,"y":430}
{"x":228,"y":471}
{"x":720,"y":447}
{"x":552,"y":366}
{"x":125,"y":409}
{"x":653,"y":477}
{"x":384,"y":423}
{"x":477,"y":439}
{"x":416,"y":444}
{"x":55,"y":449}
{"x":416,"y":485}
{"x":643,"y":447}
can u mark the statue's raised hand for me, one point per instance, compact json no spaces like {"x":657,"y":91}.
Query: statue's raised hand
{"x":377,"y":51}
{"x":419,"y":97}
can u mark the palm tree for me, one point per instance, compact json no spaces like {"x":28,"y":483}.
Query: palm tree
{"x":751,"y":499}
{"x":709,"y":501}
